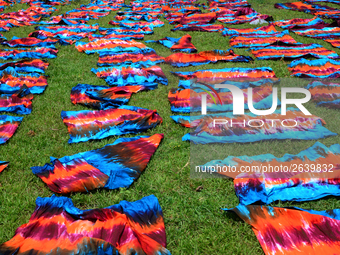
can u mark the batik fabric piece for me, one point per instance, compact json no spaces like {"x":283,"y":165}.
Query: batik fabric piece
{"x":325,"y":94}
{"x":190,"y":100}
{"x":114,"y":166}
{"x":231,"y":129}
{"x":102,"y":97}
{"x":109,"y":45}
{"x":8,"y":126}
{"x":260,"y":39}
{"x":29,"y":42}
{"x":318,"y":68}
{"x":320,"y":33}
{"x":205,"y":57}
{"x":215,"y":76}
{"x":300,"y":23}
{"x":125,"y":75}
{"x":19,"y":103}
{"x":46,"y":52}
{"x":139,"y":58}
{"x":284,"y":231}
{"x":288,"y":51}
{"x":57,"y":226}
{"x":270,"y":29}
{"x":182,"y":44}
{"x":198,"y":27}
{"x":25,"y":66}
{"x":93,"y":125}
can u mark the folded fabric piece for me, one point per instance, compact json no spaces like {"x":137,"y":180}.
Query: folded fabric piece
{"x":215,"y":76}
{"x":270,"y":29}
{"x":12,"y":82}
{"x":125,"y":31}
{"x":57,"y":226}
{"x":114,"y":166}
{"x":64,"y":37}
{"x":8,"y":126}
{"x":335,"y":42}
{"x":283,"y":231}
{"x":125,"y":75}
{"x":198,"y":27}
{"x":109,"y":45}
{"x":138,"y":24}
{"x":194,"y":18}
{"x":79,"y":28}
{"x":325,"y":94}
{"x":2,"y":38}
{"x":29,"y":42}
{"x":182,"y":44}
{"x":3,"y":165}
{"x":50,"y":52}
{"x":260,"y":39}
{"x":318,"y":68}
{"x":240,"y":18}
{"x":288,"y":50}
{"x":315,"y":9}
{"x":139,"y":58}
{"x":19,"y":103}
{"x":102,"y":97}
{"x":205,"y":57}
{"x":190,"y":100}
{"x":293,"y":125}
{"x":300,"y":23}
{"x":93,"y":125}
{"x":26,"y":66}
{"x":319,"y":33}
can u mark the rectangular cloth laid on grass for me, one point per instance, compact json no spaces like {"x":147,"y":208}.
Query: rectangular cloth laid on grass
{"x":8,"y":126}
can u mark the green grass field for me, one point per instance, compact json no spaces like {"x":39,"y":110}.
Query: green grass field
{"x":193,"y":220}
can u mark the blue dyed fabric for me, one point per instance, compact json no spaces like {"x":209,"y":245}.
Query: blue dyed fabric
{"x":46,"y":52}
{"x":10,"y":67}
{"x":318,"y":68}
{"x":8,"y":126}
{"x":124,"y":31}
{"x":84,"y":28}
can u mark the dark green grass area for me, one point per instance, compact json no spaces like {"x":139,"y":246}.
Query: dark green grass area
{"x":193,"y":220}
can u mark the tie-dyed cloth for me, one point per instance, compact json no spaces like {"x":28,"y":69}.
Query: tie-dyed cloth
{"x":318,"y":68}
{"x":19,"y":103}
{"x":109,"y":45}
{"x":125,"y":31}
{"x":325,"y":94}
{"x":3,"y":165}
{"x":64,"y":37}
{"x":92,"y":125}
{"x":26,"y":66}
{"x":182,"y":44}
{"x":57,"y":227}
{"x":205,"y":57}
{"x":8,"y":126}
{"x":198,"y":27}
{"x":309,"y":175}
{"x":102,"y":97}
{"x":242,"y":15}
{"x":215,"y":76}
{"x":139,"y":24}
{"x":270,"y":29}
{"x":2,"y":38}
{"x":193,"y":18}
{"x":246,"y":41}
{"x":46,"y":52}
{"x":12,"y":82}
{"x":283,"y":231}
{"x":315,"y":9}
{"x":29,"y":42}
{"x":190,"y":100}
{"x":125,"y":75}
{"x":300,"y":23}
{"x":231,"y":129}
{"x":139,"y":58}
{"x":319,"y":33}
{"x":114,"y":166}
{"x":93,"y":37}
{"x":288,"y":51}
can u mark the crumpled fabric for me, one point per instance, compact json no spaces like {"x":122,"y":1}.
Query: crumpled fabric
{"x":39,"y":52}
{"x":182,"y":44}
{"x":114,"y":166}
{"x":29,"y":42}
{"x":93,"y":125}
{"x":25,"y":66}
{"x":299,"y":23}
{"x":8,"y":126}
{"x":270,"y":29}
{"x":103,"y":97}
{"x":57,"y":226}
{"x":3,"y":165}
{"x":19,"y":102}
{"x":199,"y":27}
{"x":310,"y":127}
{"x":204,"y":57}
{"x":288,"y":231}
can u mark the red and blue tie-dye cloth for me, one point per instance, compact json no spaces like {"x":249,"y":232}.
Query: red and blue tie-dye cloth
{"x":8,"y":126}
